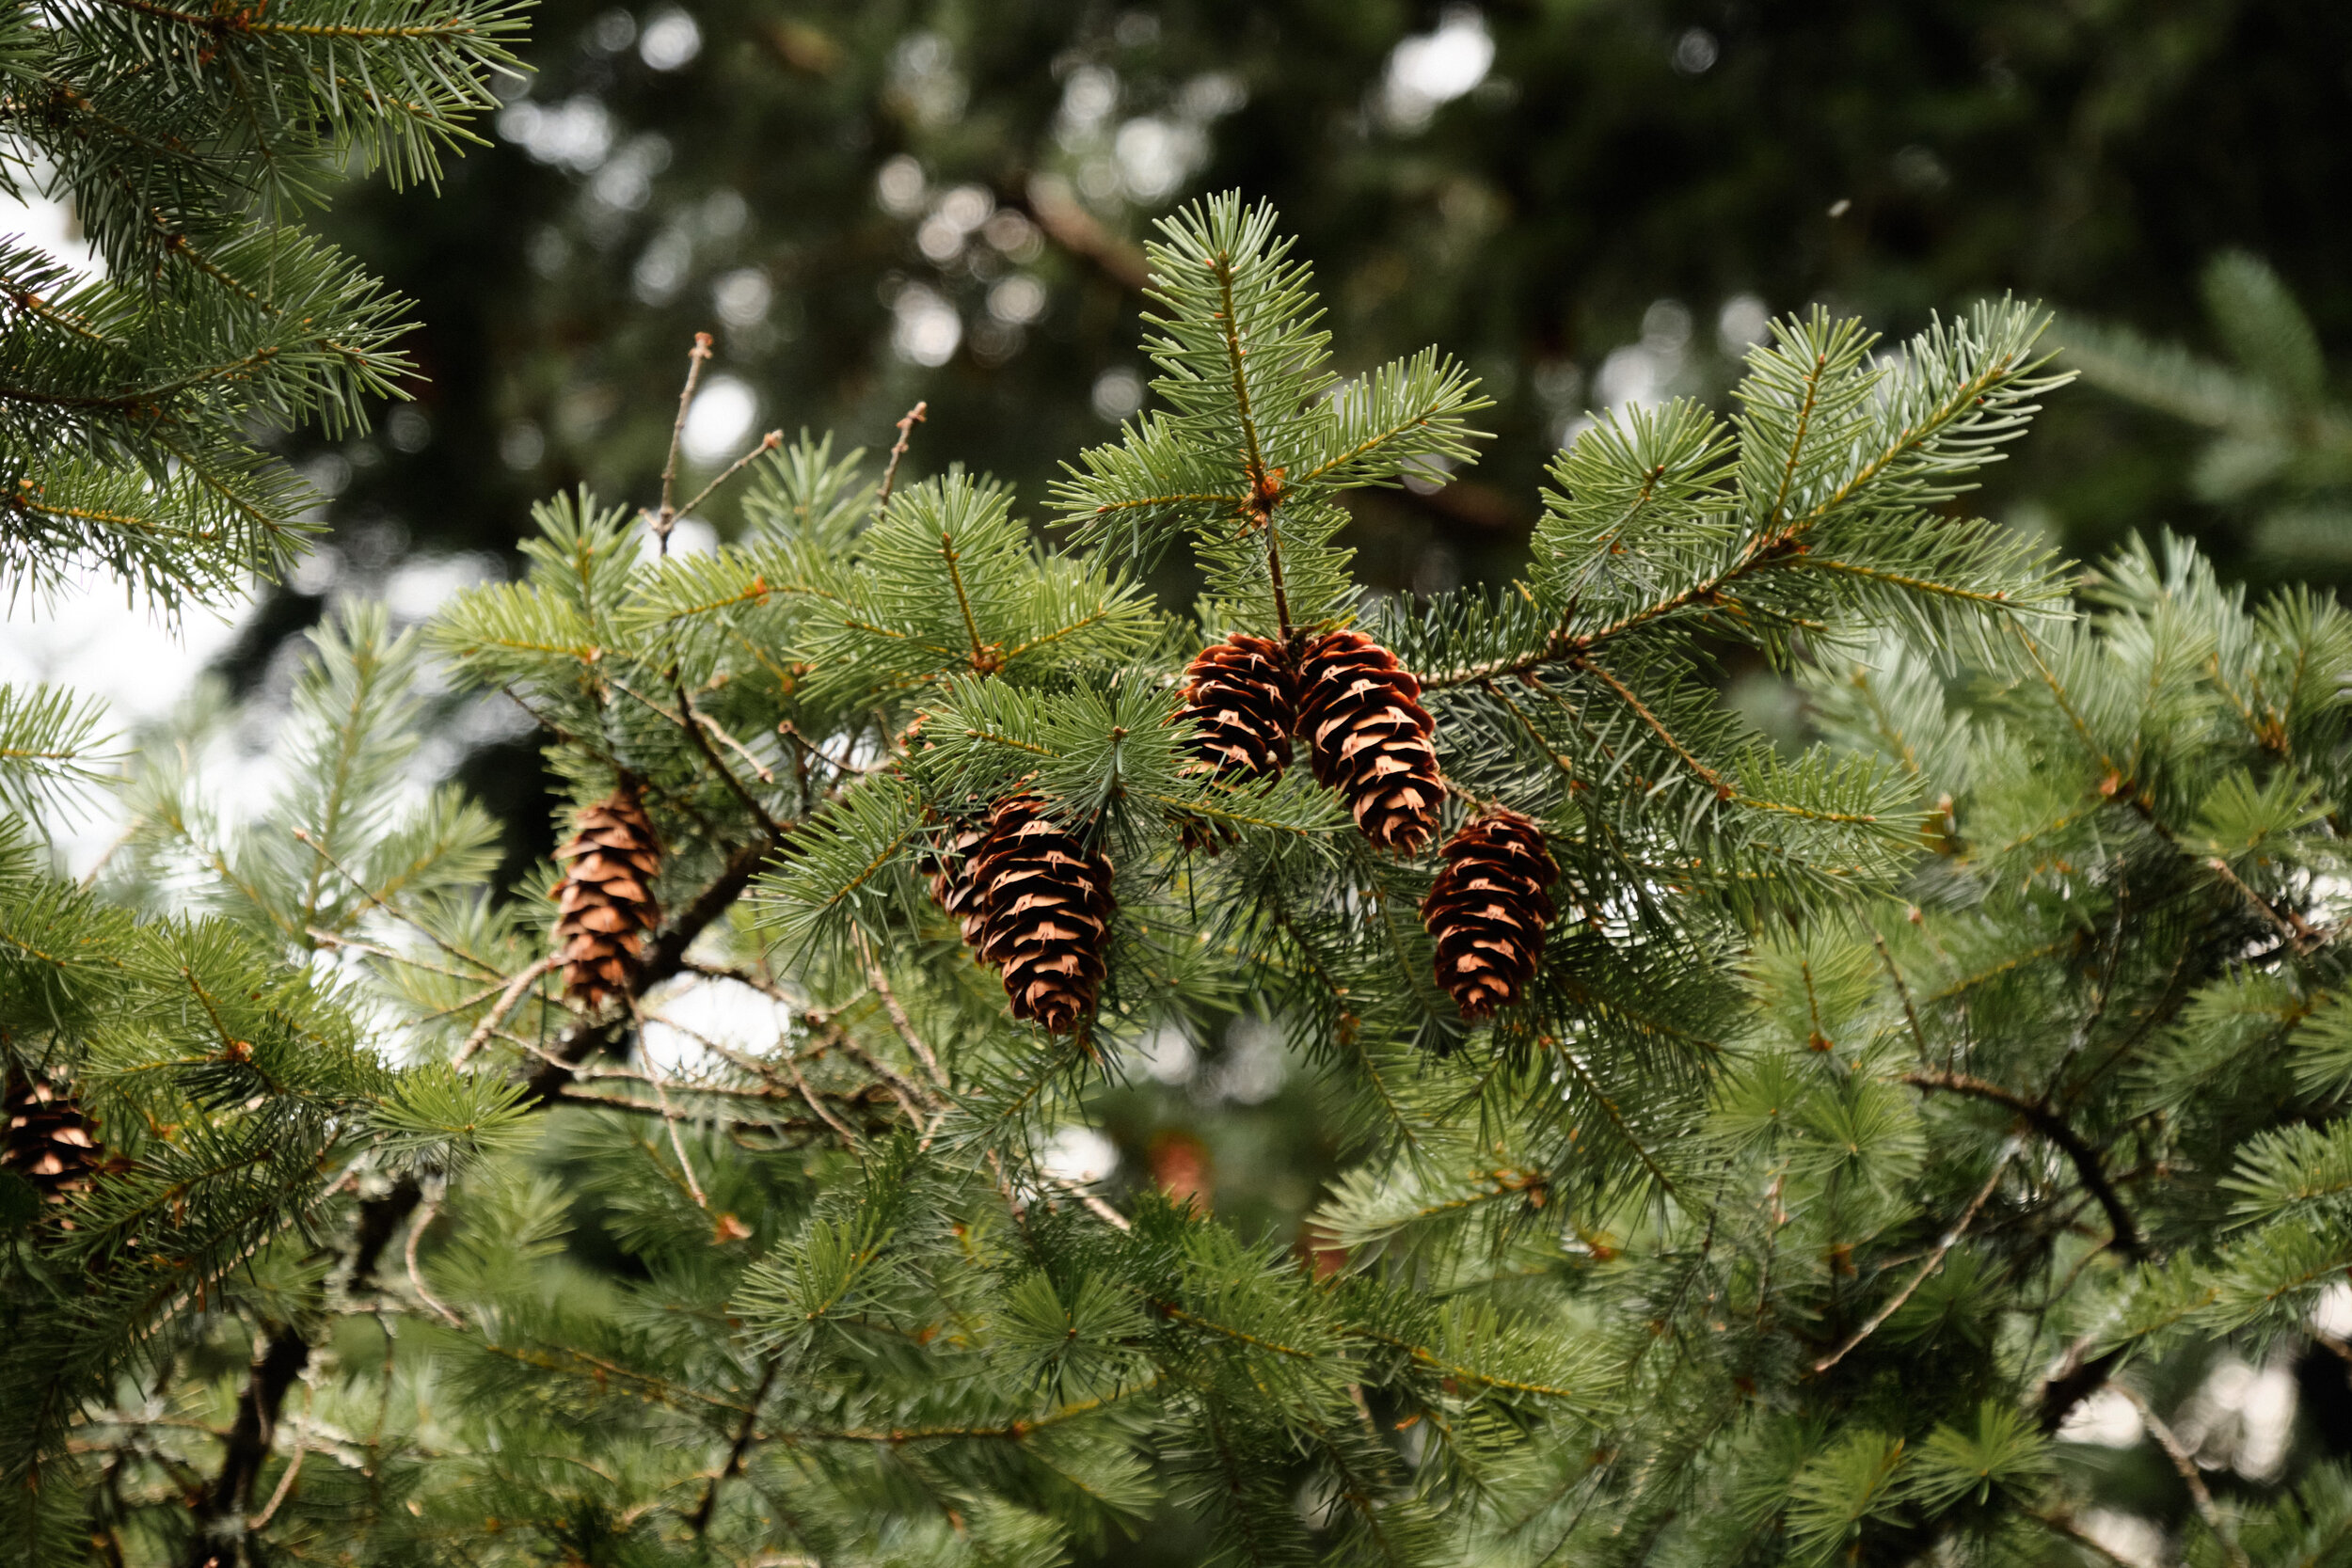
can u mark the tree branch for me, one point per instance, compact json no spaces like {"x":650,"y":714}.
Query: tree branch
{"x":2125,"y":1231}
{"x":220,"y":1513}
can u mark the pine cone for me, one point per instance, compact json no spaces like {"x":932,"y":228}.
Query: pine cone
{"x":49,"y":1140}
{"x":605,"y":897}
{"x":949,"y":862}
{"x":1044,"y":907}
{"x":1241,"y":701}
{"x":1488,"y":908}
{"x":1361,"y":712}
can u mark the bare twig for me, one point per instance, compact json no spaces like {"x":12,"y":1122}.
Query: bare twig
{"x":285,"y":1482}
{"x":890,"y":470}
{"x":426,"y":1212}
{"x":2055,"y":1128}
{"x":667,"y":518}
{"x":1093,"y":1201}
{"x":1911,"y":1014}
{"x":2186,"y":1465}
{"x":661,"y":1094}
{"x":837,"y":765}
{"x":2081,"y":1537}
{"x":505,"y":1003}
{"x":768,"y":442}
{"x":691,"y":724}
{"x":897,"y":1014}
{"x":767,"y":774}
{"x":1936,"y":1261}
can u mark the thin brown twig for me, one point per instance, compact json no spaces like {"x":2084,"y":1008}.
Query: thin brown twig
{"x":2074,"y":1533}
{"x":667,"y":518}
{"x":285,"y":1482}
{"x":897,"y":1014}
{"x":743,"y":1433}
{"x":899,"y":449}
{"x":505,"y":1003}
{"x":1911,"y":1014}
{"x":1935,"y":1261}
{"x":2185,"y":1463}
{"x":767,"y":443}
{"x":426,"y":1212}
{"x":691,"y":725}
{"x":2054,"y":1127}
{"x":661,"y":1096}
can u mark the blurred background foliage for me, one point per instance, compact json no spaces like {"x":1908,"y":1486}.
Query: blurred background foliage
{"x":1591,"y":201}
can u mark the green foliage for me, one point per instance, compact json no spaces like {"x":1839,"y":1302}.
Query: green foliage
{"x":185,"y":141}
{"x":2279,"y":448}
{"x":1876,"y":1101}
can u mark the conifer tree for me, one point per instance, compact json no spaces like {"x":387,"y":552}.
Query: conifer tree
{"x":185,"y":1091}
{"x":1716,"y":1210}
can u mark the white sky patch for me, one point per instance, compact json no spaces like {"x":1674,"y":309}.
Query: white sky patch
{"x":1429,"y":70}
{"x":734,"y":1014}
{"x":720,"y":420}
{"x":575,"y":134}
{"x":2106,"y":1419}
{"x":1167,"y":1054}
{"x":1079,"y":1155}
{"x":2333,"y":1315}
{"x":49,"y":226}
{"x":2127,"y":1535}
{"x":670,"y":40}
{"x":420,"y":588}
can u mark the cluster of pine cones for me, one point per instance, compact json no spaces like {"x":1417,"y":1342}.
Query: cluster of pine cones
{"x":1368,"y":737}
{"x":1034,"y":898}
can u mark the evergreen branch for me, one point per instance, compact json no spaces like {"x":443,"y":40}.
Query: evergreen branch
{"x":2125,"y":1232}
{"x":1421,"y":1356}
{"x":1935,"y":1261}
{"x":1625,"y":694}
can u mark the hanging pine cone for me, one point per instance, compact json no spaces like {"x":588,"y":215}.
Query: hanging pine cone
{"x":1241,"y":709}
{"x":1361,"y":712}
{"x":1241,"y":703}
{"x":1488,"y":908}
{"x":51,"y":1141}
{"x":605,"y":900}
{"x":1045,"y":903}
{"x":947,"y":864}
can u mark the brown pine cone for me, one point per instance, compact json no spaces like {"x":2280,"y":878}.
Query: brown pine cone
{"x":1361,"y":712}
{"x":947,"y":863}
{"x":1241,"y":703}
{"x":1488,"y":908}
{"x":1045,"y":903}
{"x":605,"y":900}
{"x":49,"y":1140}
